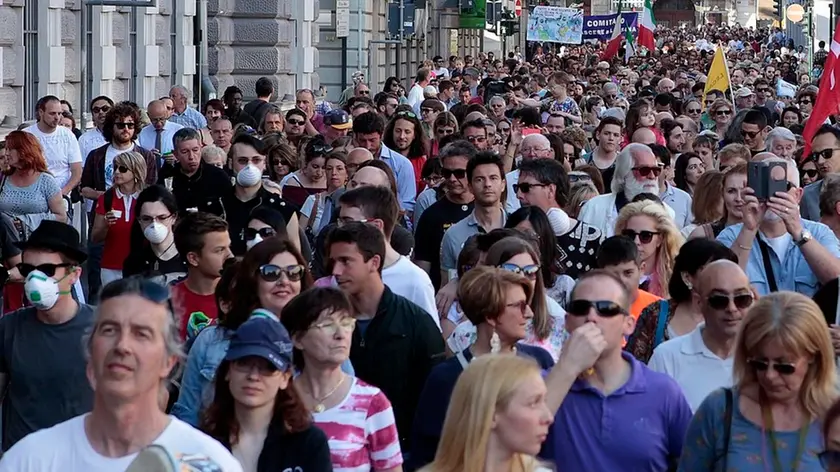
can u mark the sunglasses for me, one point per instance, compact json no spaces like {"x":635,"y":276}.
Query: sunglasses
{"x":723,"y":112}
{"x":525,"y":187}
{"x":604,"y":308}
{"x":644,"y":236}
{"x":251,"y":233}
{"x":761,"y":365}
{"x":272,"y":273}
{"x":825,"y":154}
{"x":48,"y":269}
{"x":296,"y":122}
{"x":578,"y":177}
{"x":810,"y":172}
{"x":476,"y":139}
{"x":409,"y":114}
{"x":445,"y":131}
{"x":749,"y":134}
{"x":364,"y":92}
{"x":100,"y":109}
{"x":721,"y":302}
{"x":805,"y":102}
{"x":321,"y":149}
{"x":529,"y":271}
{"x":121,"y":169}
{"x":646,"y":171}
{"x":693,"y":111}
{"x":121,"y":125}
{"x":458,"y":173}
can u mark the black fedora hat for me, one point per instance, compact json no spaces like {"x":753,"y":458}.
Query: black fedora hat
{"x":58,"y":237}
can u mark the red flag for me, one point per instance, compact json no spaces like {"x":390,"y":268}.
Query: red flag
{"x":615,"y":40}
{"x":828,"y":97}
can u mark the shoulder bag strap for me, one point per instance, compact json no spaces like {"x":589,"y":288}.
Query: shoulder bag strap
{"x":314,"y":213}
{"x":462,"y":360}
{"x":768,"y":267}
{"x":661,"y":322}
{"x":727,"y":425}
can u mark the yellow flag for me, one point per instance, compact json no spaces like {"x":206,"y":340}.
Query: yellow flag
{"x":718,"y":77}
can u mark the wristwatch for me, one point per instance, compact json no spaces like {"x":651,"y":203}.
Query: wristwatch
{"x":803,"y":238}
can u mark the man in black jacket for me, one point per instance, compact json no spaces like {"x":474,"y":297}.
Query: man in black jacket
{"x":396,"y":343}
{"x":197,"y":186}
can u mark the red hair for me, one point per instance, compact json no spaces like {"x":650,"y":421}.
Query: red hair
{"x":30,"y":152}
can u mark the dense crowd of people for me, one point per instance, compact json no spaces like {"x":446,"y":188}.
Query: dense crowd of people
{"x":548,"y":262}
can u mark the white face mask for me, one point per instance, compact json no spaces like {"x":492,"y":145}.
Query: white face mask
{"x":42,"y":291}
{"x":156,"y":233}
{"x":253,"y":242}
{"x":248,"y":176}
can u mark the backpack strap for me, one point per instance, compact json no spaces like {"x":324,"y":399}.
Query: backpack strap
{"x":661,"y":322}
{"x":727,"y":425}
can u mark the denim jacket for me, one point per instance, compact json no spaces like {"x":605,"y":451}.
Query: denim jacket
{"x":207,"y":352}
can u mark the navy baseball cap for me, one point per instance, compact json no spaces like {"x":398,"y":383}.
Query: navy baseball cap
{"x":338,"y":119}
{"x":262,"y":337}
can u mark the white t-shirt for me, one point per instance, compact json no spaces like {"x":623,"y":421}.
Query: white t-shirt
{"x":780,"y":245}
{"x":65,"y":448}
{"x":410,"y":281}
{"x":415,"y":98}
{"x":110,"y":154}
{"x":60,"y":150}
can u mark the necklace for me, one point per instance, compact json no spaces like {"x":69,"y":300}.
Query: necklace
{"x":319,"y":402}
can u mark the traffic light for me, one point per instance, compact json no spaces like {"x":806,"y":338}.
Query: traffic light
{"x":510,"y":23}
{"x":806,"y":22}
{"x":777,"y":8}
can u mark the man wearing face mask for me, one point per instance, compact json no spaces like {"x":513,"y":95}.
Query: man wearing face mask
{"x":248,"y":160}
{"x":42,"y":361}
{"x":776,"y":247}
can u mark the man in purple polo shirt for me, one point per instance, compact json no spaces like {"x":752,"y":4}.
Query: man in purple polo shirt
{"x":619,"y":415}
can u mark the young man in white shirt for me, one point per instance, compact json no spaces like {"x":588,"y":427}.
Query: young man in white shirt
{"x":132,"y":349}
{"x":61,"y":149}
{"x":701,"y":361}
{"x":415,"y":95}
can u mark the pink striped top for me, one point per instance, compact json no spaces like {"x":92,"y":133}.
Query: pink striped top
{"x":361,"y":431}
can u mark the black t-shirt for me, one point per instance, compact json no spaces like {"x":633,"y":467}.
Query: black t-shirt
{"x":429,"y":234}
{"x":238,"y":213}
{"x":145,"y":262}
{"x":305,"y":451}
{"x":202,"y":191}
{"x":256,"y":109}
{"x":578,"y":248}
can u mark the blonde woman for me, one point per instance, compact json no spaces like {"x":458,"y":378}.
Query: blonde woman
{"x":115,"y":211}
{"x":580,"y":193}
{"x":721,"y":112}
{"x":785,"y":382}
{"x":497,"y":418}
{"x":656,"y":236}
{"x":707,"y":201}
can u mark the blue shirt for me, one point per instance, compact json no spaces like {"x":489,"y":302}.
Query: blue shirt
{"x":679,"y":201}
{"x":404,"y":173}
{"x":190,"y":118}
{"x":639,"y":427}
{"x":794,"y":274}
{"x":704,"y":442}
{"x":147,"y":136}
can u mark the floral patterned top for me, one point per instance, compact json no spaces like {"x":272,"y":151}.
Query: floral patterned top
{"x":642,"y":342}
{"x":704,"y":445}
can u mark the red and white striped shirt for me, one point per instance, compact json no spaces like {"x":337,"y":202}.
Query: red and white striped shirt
{"x":361,"y":430}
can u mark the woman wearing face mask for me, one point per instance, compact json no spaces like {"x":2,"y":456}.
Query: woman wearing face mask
{"x":357,"y":417}
{"x":153,"y":251}
{"x":257,"y":412}
{"x":336,"y":170}
{"x":264,"y":223}
{"x":311,"y":179}
{"x":116,"y":212}
{"x":497,"y":303}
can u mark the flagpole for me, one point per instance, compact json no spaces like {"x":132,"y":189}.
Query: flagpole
{"x":728,"y":81}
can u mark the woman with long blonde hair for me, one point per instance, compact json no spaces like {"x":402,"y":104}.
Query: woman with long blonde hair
{"x":785,"y":381}
{"x":497,"y":418}
{"x":656,"y":236}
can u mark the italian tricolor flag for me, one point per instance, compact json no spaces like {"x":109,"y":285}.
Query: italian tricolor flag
{"x":615,"y":40}
{"x":647,"y":27}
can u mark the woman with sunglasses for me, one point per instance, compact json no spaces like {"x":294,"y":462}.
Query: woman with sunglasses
{"x":496,"y":303}
{"x":809,"y":172}
{"x":785,"y":381}
{"x":356,"y":417}
{"x":311,"y":178}
{"x":806,"y":100}
{"x":153,"y":252}
{"x":694,"y":110}
{"x":677,"y":315}
{"x":546,"y":329}
{"x":720,"y":111}
{"x":256,"y":411}
{"x":265,"y":222}
{"x":115,"y":212}
{"x":652,"y":228}
{"x":445,"y":125}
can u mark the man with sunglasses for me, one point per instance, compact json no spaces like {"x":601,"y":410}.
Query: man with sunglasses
{"x":619,"y":256}
{"x":639,"y":417}
{"x":701,"y":361}
{"x":825,"y":153}
{"x":754,"y":130}
{"x":776,"y":247}
{"x":42,"y":363}
{"x":93,"y":138}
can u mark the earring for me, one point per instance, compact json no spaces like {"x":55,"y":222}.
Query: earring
{"x":495,"y":343}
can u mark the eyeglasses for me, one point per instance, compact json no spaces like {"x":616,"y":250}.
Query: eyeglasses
{"x":246,"y":365}
{"x":644,"y":171}
{"x":476,"y":139}
{"x":147,"y":220}
{"x":525,"y":187}
{"x":272,"y":272}
{"x":122,"y":125}
{"x":605,"y":308}
{"x":295,"y":122}
{"x":103,"y":109}
{"x":48,"y":269}
{"x":521,"y":307}
{"x":157,"y":120}
{"x":424,"y":111}
{"x":761,"y":365}
{"x":810,"y":172}
{"x":644,"y":236}
{"x":458,"y":173}
{"x":348,"y":323}
{"x":407,"y":113}
{"x":825,"y":154}
{"x":121,"y":169}
{"x":749,"y":134}
{"x":251,"y":233}
{"x":721,"y":302}
{"x":529,"y":271}
{"x":723,"y":113}
{"x":578,"y":176}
